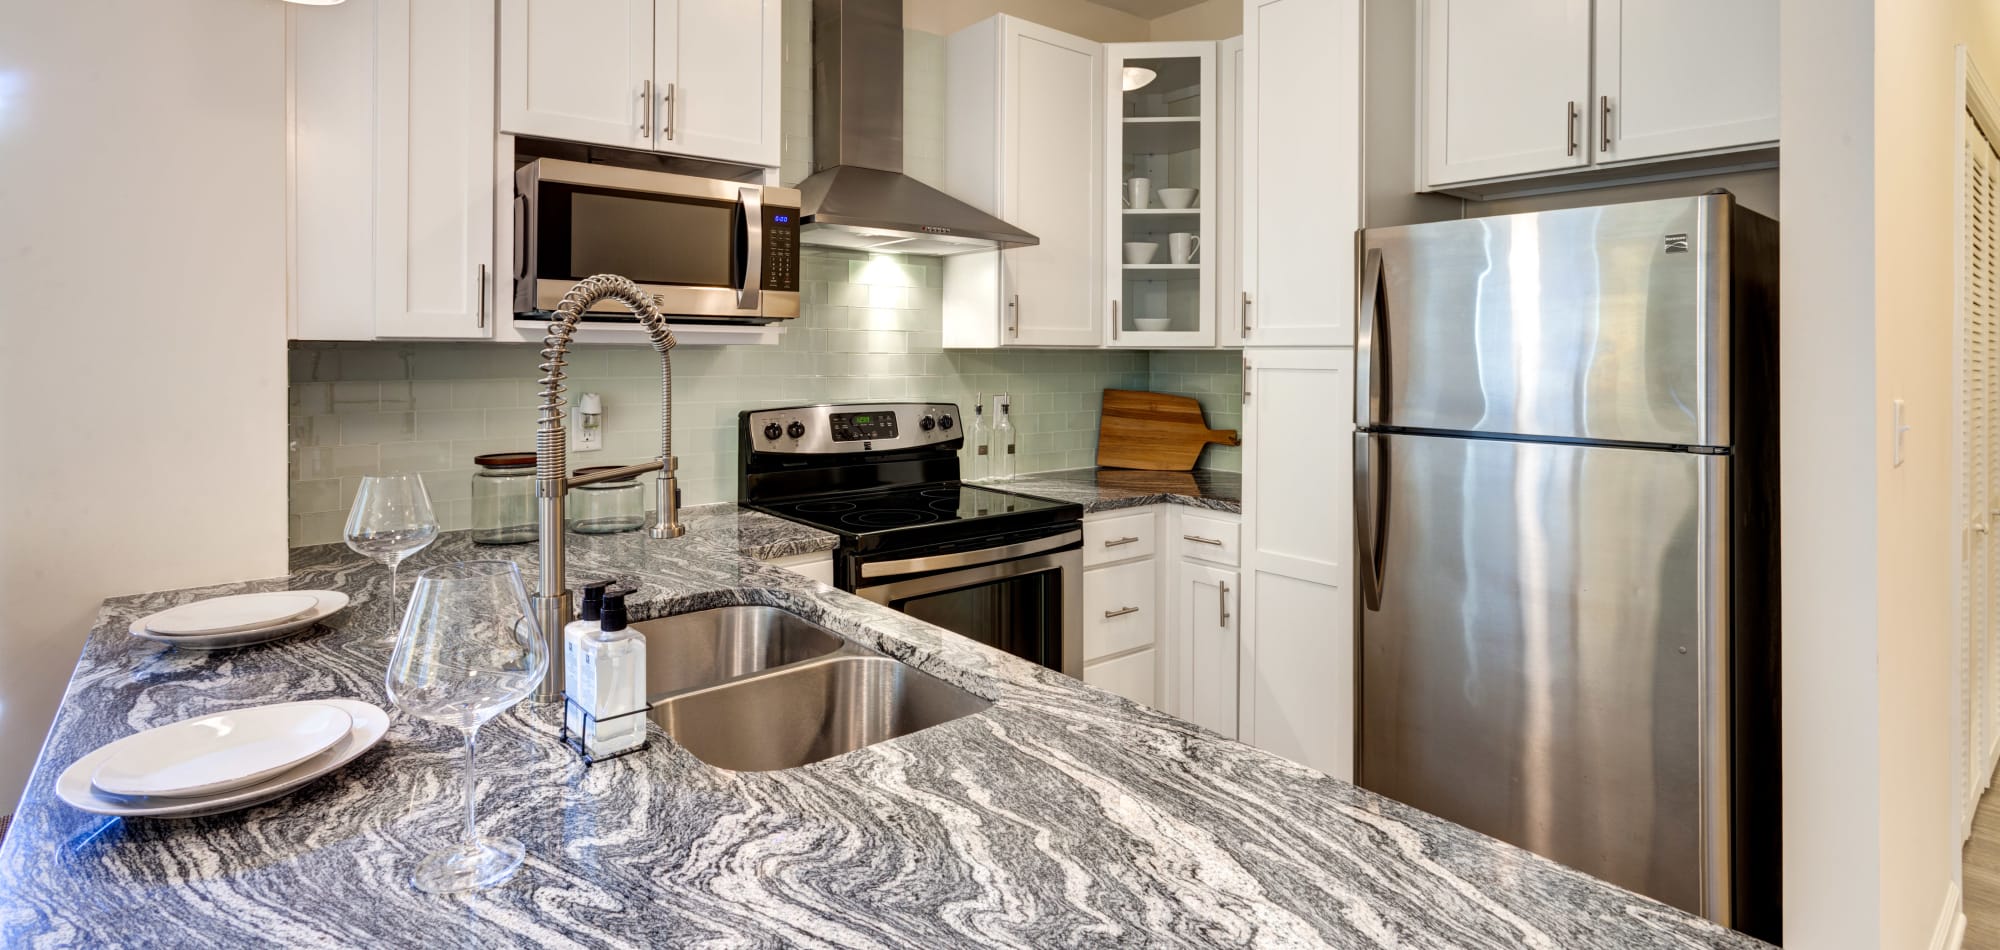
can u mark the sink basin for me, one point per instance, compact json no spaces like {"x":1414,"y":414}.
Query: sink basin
{"x":814,"y":711}
{"x":695,"y":650}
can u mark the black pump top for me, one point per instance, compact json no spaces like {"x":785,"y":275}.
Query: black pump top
{"x":611,"y":617}
{"x":593,"y":599}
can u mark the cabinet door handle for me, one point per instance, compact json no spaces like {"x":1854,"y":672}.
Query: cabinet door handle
{"x":482,"y":296}
{"x":1604,"y":123}
{"x":645,"y":108}
{"x":1246,"y":313}
{"x":1222,"y":603}
{"x":667,"y":114}
{"x":1014,"y":315}
{"x":1114,"y":320}
{"x":1246,"y":379}
{"x":1569,"y":125}
{"x":1114,"y":542}
{"x":1198,"y":539}
{"x":1120,"y":612}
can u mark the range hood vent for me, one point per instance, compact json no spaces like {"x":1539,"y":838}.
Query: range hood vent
{"x":860,"y":199}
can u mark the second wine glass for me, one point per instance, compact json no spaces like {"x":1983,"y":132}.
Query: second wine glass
{"x":391,"y":520}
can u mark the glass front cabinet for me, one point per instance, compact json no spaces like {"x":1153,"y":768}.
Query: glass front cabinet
{"x":1160,"y":188}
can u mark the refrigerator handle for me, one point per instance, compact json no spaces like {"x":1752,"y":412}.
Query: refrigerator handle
{"x":1370,"y":512}
{"x":1370,"y":342}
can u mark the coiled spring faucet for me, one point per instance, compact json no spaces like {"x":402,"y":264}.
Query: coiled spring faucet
{"x":551,"y":602}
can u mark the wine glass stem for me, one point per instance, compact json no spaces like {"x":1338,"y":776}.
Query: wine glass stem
{"x":471,"y":775}
{"x":395,"y":606}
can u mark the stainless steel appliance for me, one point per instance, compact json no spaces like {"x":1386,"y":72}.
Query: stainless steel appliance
{"x":705,"y":250}
{"x":1003,"y":569}
{"x":1566,"y":534}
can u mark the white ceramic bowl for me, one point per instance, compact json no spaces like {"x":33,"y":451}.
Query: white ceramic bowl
{"x":1140,"y":252}
{"x":1152,"y":323}
{"x":1176,"y":197}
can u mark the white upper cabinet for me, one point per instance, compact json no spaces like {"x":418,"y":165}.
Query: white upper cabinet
{"x":1519,"y":90}
{"x":691,"y":77}
{"x":1231,"y":314}
{"x":1301,"y":170}
{"x":1161,"y":113}
{"x":1506,"y":87}
{"x":1023,"y":140}
{"x":1680,"y":76}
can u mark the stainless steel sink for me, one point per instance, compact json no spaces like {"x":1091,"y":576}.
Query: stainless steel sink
{"x":816,"y":710}
{"x":707,"y":647}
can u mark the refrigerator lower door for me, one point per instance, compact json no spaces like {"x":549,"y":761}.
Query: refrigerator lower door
{"x":1541,"y":651}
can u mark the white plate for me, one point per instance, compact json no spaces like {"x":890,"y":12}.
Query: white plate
{"x":208,"y":755}
{"x":330,"y":603}
{"x":230,"y":614}
{"x":370,"y":725}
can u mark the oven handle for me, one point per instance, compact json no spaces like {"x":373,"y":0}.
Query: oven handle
{"x":750,"y":244}
{"x":939,"y":562}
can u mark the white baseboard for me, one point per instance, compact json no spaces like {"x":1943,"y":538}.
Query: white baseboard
{"x":1950,"y":932}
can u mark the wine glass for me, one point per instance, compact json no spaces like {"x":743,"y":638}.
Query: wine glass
{"x":469,"y":648}
{"x":390,"y":521}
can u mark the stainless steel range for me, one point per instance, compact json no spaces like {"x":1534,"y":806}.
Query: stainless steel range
{"x":1003,"y":569}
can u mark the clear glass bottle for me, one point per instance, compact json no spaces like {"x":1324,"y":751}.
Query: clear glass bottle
{"x":1004,"y":458}
{"x":978,"y":454}
{"x":503,"y":499}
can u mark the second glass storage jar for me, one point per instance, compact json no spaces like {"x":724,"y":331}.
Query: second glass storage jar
{"x":607,"y":507}
{"x":503,"y":499}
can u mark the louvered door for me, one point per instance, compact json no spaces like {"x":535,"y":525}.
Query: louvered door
{"x":1979,"y":472}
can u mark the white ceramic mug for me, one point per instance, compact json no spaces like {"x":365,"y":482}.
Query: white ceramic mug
{"x":1140,"y":252}
{"x":1181,"y":246}
{"x":1177,"y":198}
{"x":1139,"y":193}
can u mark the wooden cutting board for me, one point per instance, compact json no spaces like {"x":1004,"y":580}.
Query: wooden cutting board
{"x":1154,"y":431}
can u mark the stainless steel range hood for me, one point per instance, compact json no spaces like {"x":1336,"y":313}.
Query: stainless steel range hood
{"x":860,"y":199}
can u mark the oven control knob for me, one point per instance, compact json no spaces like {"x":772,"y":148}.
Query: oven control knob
{"x":927,"y":423}
{"x":945,"y":423}
{"x":771,"y":431}
{"x":796,"y":430}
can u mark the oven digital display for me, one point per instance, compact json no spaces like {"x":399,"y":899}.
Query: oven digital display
{"x":863,"y":426}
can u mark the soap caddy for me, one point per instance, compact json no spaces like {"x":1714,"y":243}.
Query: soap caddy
{"x":576,"y":740}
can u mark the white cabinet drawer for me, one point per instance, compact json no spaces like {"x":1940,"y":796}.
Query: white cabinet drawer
{"x":1209,"y":539}
{"x":1130,"y":676}
{"x":1120,"y":609}
{"x":1119,"y":537}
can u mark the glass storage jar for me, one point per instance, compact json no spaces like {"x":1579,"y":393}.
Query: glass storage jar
{"x":503,"y":499}
{"x":607,"y":507}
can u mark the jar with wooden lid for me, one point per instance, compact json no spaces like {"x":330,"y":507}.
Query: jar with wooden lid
{"x":607,"y":507}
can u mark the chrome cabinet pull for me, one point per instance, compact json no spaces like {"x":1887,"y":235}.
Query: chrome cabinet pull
{"x":1246,"y":314}
{"x":667,"y":115}
{"x":645,"y":108}
{"x":1114,"y":542}
{"x":1014,"y":315}
{"x":1604,"y":123}
{"x":482,"y":296}
{"x":1246,"y":379}
{"x":1198,"y":539}
{"x":1222,"y":603}
{"x":1569,"y":125}
{"x":1120,"y":612}
{"x":1114,"y":320}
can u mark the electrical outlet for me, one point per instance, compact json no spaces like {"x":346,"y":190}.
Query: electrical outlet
{"x":587,"y":421}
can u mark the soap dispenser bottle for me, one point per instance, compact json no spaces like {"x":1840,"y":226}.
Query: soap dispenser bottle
{"x":574,"y":633}
{"x":611,"y":674}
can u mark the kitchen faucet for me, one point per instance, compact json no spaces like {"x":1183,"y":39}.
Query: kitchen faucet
{"x":551,"y":602}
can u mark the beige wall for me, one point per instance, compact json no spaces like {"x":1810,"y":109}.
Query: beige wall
{"x":1208,"y":20}
{"x":144,"y":317}
{"x":1087,"y":20}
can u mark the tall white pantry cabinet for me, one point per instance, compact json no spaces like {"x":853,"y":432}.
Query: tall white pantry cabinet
{"x":1296,"y":696}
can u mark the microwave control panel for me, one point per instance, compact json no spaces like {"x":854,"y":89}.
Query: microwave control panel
{"x":781,"y":248}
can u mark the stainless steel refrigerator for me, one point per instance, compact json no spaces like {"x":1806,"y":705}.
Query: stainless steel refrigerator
{"x":1566,"y":539}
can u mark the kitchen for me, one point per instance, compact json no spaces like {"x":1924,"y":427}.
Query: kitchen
{"x":393,"y":222}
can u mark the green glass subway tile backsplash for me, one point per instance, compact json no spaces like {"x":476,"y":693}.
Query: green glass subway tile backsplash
{"x":870,"y":329}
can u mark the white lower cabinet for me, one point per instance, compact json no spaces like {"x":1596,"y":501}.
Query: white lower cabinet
{"x":1120,"y":610}
{"x":1205,"y":645}
{"x":1121,"y":603}
{"x":1131,"y":676}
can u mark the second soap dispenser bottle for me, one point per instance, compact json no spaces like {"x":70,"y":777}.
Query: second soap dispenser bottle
{"x":607,"y":675}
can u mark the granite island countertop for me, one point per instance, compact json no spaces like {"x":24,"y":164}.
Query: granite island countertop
{"x":1109,"y":489}
{"x":1061,"y":816}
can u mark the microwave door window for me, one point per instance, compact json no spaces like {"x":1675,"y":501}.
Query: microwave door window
{"x":673,"y":241}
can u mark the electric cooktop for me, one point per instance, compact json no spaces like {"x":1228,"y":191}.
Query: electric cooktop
{"x":949,"y":510}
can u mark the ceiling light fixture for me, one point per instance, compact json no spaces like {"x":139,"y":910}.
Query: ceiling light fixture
{"x":1137,"y":77}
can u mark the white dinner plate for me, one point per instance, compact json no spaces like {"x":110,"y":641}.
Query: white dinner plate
{"x":370,"y":725}
{"x":330,"y":603}
{"x":208,"y":755}
{"x":230,"y":614}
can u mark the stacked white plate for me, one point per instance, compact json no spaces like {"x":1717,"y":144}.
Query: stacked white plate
{"x":222,"y":762}
{"x":220,"y":623}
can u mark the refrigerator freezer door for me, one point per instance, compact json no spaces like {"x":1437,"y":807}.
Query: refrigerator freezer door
{"x":1540,"y":662}
{"x":1590,"y":323}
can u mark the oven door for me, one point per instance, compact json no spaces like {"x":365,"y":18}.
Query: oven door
{"x":1025,"y":598}
{"x":704,"y":248}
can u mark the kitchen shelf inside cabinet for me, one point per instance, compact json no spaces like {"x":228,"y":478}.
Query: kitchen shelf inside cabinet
{"x":1189,"y":212}
{"x":1169,"y":267}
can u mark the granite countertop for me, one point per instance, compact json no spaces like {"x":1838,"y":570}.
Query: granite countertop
{"x":1109,"y":489}
{"x":1062,"y":815}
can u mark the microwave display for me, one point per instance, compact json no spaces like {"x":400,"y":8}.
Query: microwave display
{"x":598,"y":231}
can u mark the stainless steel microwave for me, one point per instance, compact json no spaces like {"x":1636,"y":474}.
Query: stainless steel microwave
{"x":706,"y":249}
